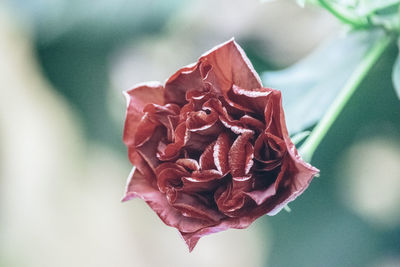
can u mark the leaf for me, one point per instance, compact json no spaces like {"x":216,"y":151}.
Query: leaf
{"x":310,"y":86}
{"x":396,"y":74}
{"x":370,"y":6}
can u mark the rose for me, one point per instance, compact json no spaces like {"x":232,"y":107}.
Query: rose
{"x":210,"y":149}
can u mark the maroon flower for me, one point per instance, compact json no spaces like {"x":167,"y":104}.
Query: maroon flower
{"x":210,"y":148}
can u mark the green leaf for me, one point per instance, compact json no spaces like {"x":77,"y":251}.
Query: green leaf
{"x":396,"y":75}
{"x":309,"y":86}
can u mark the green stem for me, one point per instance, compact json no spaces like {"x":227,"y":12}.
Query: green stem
{"x":310,"y":145}
{"x":344,"y":15}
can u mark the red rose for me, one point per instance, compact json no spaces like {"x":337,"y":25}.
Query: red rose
{"x":210,"y":147}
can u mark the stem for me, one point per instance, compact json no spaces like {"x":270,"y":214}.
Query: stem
{"x":310,"y":145}
{"x":344,"y":16}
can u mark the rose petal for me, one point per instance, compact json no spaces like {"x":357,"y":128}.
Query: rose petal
{"x":137,"y":98}
{"x":253,"y":123}
{"x":191,"y":238}
{"x":207,"y":158}
{"x":300,"y":173}
{"x":190,"y":164}
{"x":240,"y":155}
{"x":234,"y":125}
{"x":200,"y":121}
{"x":204,"y":176}
{"x":230,"y":65}
{"x":172,"y":150}
{"x":139,"y":186}
{"x":149,"y":150}
{"x":273,"y":117}
{"x":260,"y":196}
{"x":147,"y":128}
{"x":170,"y":177}
{"x":198,"y":142}
{"x":185,"y":79}
{"x":231,"y":199}
{"x":253,"y":100}
{"x":207,"y":180}
{"x":220,"y":153}
{"x":195,"y":206}
{"x":269,"y":149}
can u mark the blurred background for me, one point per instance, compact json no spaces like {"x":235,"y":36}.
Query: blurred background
{"x":63,"y":166}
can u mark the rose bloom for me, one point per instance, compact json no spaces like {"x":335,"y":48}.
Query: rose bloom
{"x":210,"y":148}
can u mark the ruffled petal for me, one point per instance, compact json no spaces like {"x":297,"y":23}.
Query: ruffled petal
{"x":137,"y":98}
{"x":195,"y":205}
{"x":227,"y":64}
{"x":191,"y":238}
{"x":172,"y":150}
{"x":298,"y":173}
{"x":241,"y":155}
{"x":248,"y":100}
{"x":147,"y":128}
{"x":189,"y":164}
{"x":202,"y":181}
{"x":220,"y":153}
{"x":252,"y":123}
{"x":149,"y":149}
{"x":170,"y":175}
{"x":139,"y":186}
{"x":207,"y":158}
{"x":234,"y":125}
{"x":185,"y":79}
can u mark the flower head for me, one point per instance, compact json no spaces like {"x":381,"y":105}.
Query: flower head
{"x":210,"y":148}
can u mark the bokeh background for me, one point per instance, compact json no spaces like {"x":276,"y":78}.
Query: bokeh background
{"x":63,"y":66}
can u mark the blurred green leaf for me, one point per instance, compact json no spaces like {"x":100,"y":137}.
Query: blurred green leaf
{"x":364,"y":14}
{"x":366,"y":7}
{"x":310,"y":86}
{"x":396,"y":74}
{"x":53,"y":19}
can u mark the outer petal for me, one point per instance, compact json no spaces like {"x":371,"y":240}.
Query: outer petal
{"x":186,"y":79}
{"x":137,"y":98}
{"x":221,"y":67}
{"x":253,"y":100}
{"x":299,"y":173}
{"x":139,"y":186}
{"x":192,"y":238}
{"x":230,"y":65}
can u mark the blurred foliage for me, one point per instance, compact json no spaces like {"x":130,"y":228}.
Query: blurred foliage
{"x":363,"y":13}
{"x":396,"y":73}
{"x":367,"y":14}
{"x":311,"y":85}
{"x":74,"y":41}
{"x":320,"y":230}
